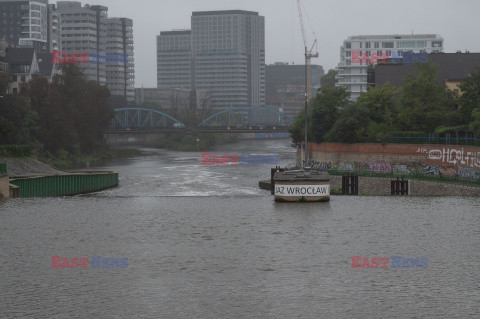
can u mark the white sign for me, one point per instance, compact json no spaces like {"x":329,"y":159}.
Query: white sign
{"x":302,"y":190}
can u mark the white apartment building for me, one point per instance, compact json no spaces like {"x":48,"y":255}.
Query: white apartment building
{"x":54,"y":20}
{"x":84,"y":29}
{"x":357,"y":52}
{"x":109,"y":43}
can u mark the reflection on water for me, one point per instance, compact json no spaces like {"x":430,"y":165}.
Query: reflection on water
{"x":205,"y":242}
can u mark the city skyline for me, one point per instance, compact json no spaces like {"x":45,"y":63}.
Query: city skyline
{"x":332,"y":21}
{"x":451,"y":20}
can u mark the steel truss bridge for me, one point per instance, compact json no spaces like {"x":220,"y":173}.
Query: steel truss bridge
{"x":237,"y":119}
{"x":143,"y":119}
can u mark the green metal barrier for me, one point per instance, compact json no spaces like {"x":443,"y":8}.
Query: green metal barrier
{"x":65,"y":185}
{"x":3,"y":169}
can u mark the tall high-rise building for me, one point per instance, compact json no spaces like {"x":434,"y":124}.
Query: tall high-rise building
{"x":53,"y":35}
{"x":174,"y":59}
{"x":84,"y":29}
{"x":224,"y":53}
{"x":357,"y":52}
{"x":25,"y":23}
{"x":108,"y":43}
{"x":120,"y":72}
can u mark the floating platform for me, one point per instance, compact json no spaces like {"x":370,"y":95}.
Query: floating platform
{"x":302,"y":186}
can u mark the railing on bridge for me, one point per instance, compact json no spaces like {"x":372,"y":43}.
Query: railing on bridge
{"x":141,"y":118}
{"x":237,"y":118}
{"x":247,"y":117}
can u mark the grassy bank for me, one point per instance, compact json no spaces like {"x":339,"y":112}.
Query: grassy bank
{"x":65,"y":160}
{"x":194,"y":142}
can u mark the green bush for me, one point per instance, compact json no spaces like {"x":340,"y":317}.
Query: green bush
{"x":15,"y":151}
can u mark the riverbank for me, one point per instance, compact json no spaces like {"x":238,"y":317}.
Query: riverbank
{"x":65,"y":161}
{"x":194,"y":142}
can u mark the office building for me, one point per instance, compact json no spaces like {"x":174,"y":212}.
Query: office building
{"x":227,"y":58}
{"x":25,"y":23}
{"x":174,"y":59}
{"x":357,"y":52}
{"x":120,"y":72}
{"x":285,"y":86}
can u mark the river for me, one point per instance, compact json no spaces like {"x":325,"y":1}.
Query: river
{"x":206,"y":242}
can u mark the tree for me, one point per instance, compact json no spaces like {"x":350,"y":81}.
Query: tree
{"x":350,"y":126}
{"x":328,"y":80}
{"x":381,"y":103}
{"x":17,"y":120}
{"x":469,"y":110}
{"x":73,"y":113}
{"x":325,"y":110}
{"x":425,"y":103}
{"x":297,"y":130}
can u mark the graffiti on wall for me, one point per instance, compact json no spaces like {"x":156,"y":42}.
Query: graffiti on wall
{"x":387,"y":168}
{"x":451,"y":156}
{"x":353,"y":167}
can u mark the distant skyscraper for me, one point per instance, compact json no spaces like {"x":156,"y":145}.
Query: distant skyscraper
{"x":174,"y":59}
{"x":84,"y":30}
{"x":54,"y":38}
{"x":120,"y":74}
{"x":25,"y":23}
{"x":357,"y":52}
{"x":224,"y":54}
{"x":109,"y":43}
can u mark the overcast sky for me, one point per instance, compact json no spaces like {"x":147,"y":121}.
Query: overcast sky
{"x":458,"y":22}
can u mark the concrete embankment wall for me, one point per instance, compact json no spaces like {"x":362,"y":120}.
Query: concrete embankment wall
{"x":379,"y":186}
{"x":446,"y":160}
{"x":4,"y":186}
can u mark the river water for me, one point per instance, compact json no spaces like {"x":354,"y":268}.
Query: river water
{"x":206,"y":242}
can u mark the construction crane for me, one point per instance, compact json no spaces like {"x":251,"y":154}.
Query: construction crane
{"x":309,"y":54}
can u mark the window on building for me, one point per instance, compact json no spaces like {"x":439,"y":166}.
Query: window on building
{"x":361,"y":45}
{"x":405,"y":44}
{"x":437,"y":44}
{"x":367,"y":45}
{"x":387,"y":45}
{"x":348,"y":54}
{"x":376,"y":45}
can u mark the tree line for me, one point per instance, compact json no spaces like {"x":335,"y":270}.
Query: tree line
{"x":70,"y":114}
{"x":422,"y":107}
